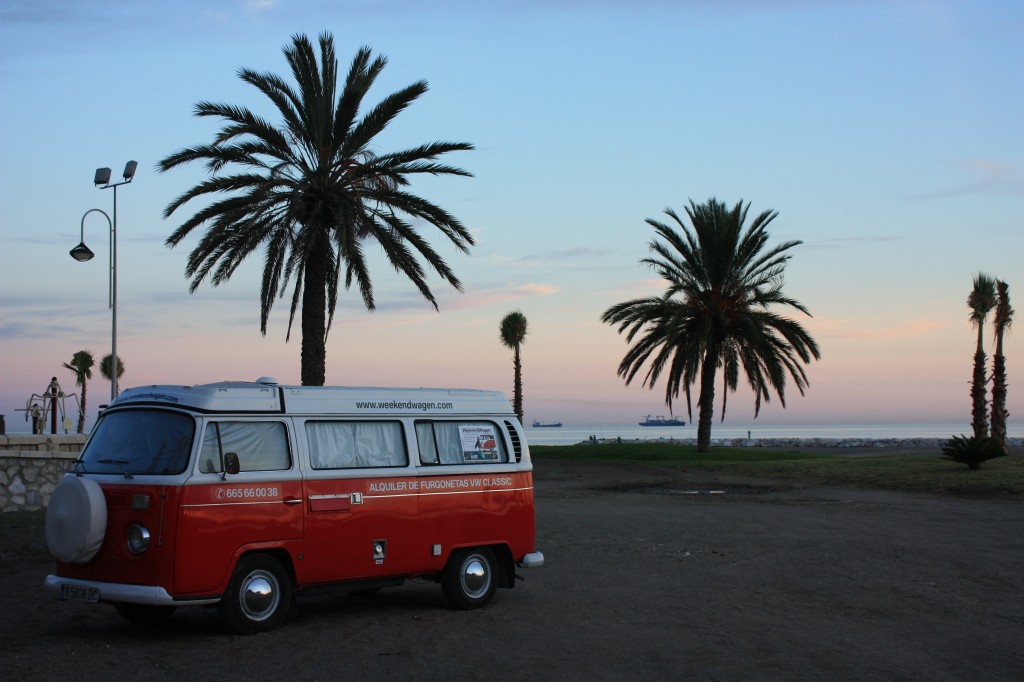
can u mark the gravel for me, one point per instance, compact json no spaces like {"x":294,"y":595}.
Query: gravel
{"x":650,"y":574}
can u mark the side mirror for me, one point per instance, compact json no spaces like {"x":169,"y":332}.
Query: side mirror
{"x":231,"y":465}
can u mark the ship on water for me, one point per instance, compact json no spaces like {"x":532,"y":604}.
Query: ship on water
{"x":538,"y":425}
{"x":662,"y":421}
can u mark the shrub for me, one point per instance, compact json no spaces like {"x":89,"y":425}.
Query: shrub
{"x":972,"y":451}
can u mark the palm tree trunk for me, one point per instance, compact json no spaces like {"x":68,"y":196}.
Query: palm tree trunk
{"x":517,"y":386}
{"x":314,"y":315}
{"x":999,"y":394}
{"x":979,"y":415}
{"x":81,"y":411}
{"x":1004,"y":314}
{"x":706,"y":401}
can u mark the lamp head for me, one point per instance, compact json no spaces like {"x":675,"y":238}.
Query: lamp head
{"x":129,"y":169}
{"x":102,"y":176}
{"x":81,"y":253}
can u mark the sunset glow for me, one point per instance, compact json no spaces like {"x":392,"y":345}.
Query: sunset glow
{"x":900,"y":167}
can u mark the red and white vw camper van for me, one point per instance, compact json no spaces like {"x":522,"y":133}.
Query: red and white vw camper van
{"x":240,"y":494}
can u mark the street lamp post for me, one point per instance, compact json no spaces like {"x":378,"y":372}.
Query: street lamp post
{"x":83,"y":253}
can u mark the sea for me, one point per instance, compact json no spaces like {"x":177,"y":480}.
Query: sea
{"x":570,"y":434}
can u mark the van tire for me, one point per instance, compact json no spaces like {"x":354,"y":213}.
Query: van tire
{"x":76,"y":520}
{"x":469,"y":578}
{"x":144,"y":614}
{"x":259,"y":596}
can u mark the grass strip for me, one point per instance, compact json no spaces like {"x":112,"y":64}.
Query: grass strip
{"x":901,"y":471}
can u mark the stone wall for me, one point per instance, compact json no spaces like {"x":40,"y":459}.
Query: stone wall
{"x":31,"y":466}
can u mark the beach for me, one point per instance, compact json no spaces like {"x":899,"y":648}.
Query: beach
{"x":650,"y":573}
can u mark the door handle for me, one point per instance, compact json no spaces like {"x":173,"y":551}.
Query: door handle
{"x":292,"y":500}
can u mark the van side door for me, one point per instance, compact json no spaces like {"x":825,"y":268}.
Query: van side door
{"x":360,"y":501}
{"x":223,"y":513}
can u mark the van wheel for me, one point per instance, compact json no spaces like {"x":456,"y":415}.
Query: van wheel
{"x":468,"y":578}
{"x":144,"y":614}
{"x":76,"y":520}
{"x":259,"y":595}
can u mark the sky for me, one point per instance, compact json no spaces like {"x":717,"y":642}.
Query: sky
{"x":887,"y":135}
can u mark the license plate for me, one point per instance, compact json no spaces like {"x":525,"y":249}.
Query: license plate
{"x":80,"y":593}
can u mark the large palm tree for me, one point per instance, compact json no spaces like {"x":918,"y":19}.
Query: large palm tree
{"x":106,"y":365}
{"x":513,"y":334}
{"x":311,"y":192}
{"x":981,"y":301}
{"x":722,"y":280}
{"x":81,"y":364}
{"x":1001,"y":321}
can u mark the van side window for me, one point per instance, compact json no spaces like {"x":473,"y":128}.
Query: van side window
{"x":460,"y":442}
{"x":260,"y":446}
{"x":355,"y":445}
{"x":428,"y":446}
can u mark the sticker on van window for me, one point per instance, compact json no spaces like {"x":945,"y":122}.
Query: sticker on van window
{"x":479,"y":442}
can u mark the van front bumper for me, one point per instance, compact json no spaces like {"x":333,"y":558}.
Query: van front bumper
{"x":94,"y":590}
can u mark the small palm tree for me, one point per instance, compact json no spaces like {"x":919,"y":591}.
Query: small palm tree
{"x":722,"y":280}
{"x":1001,"y":321}
{"x":81,"y":364}
{"x":972,"y":451}
{"x":981,"y":301}
{"x":513,"y":334}
{"x":313,"y":195}
{"x":106,"y":364}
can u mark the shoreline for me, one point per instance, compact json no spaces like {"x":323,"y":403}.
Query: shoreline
{"x":860,"y":444}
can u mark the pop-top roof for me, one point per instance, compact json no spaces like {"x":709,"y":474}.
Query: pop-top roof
{"x":268,"y":397}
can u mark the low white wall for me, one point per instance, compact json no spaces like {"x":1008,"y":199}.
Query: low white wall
{"x":31,"y":466}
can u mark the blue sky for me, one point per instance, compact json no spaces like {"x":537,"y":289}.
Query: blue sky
{"x":887,"y":135}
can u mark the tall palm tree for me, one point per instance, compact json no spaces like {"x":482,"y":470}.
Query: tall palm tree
{"x":1001,"y":321}
{"x":313,"y":195}
{"x":722,"y":279}
{"x":81,"y":364}
{"x":981,"y":301}
{"x":513,"y":334}
{"x":106,"y":365}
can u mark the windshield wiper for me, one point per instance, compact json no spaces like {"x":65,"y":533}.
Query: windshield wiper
{"x":119,"y":462}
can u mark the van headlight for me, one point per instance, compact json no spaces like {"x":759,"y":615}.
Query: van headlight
{"x":138,"y":539}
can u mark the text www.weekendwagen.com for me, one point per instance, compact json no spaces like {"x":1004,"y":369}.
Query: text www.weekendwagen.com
{"x":403,"y":405}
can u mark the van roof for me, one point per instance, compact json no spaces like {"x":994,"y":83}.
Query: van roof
{"x":266,"y":396}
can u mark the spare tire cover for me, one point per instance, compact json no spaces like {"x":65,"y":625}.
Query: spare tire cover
{"x":76,"y":520}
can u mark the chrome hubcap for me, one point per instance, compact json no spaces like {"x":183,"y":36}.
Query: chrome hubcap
{"x":259,"y":595}
{"x":475,"y":577}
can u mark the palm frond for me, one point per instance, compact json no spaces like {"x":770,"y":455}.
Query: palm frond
{"x":312,"y":182}
{"x":717,"y":310}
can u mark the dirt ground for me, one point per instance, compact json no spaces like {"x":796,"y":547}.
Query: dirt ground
{"x":650,"y":574}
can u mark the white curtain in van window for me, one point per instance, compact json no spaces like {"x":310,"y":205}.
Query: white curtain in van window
{"x":260,"y":446}
{"x":355,"y":445}
{"x":449,"y":444}
{"x":425,"y":438}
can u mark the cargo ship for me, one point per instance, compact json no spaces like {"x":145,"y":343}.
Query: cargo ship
{"x":661,"y":421}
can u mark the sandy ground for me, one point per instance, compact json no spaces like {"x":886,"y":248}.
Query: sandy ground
{"x":650,"y":574}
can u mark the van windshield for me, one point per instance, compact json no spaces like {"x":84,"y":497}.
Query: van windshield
{"x":139,"y":442}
